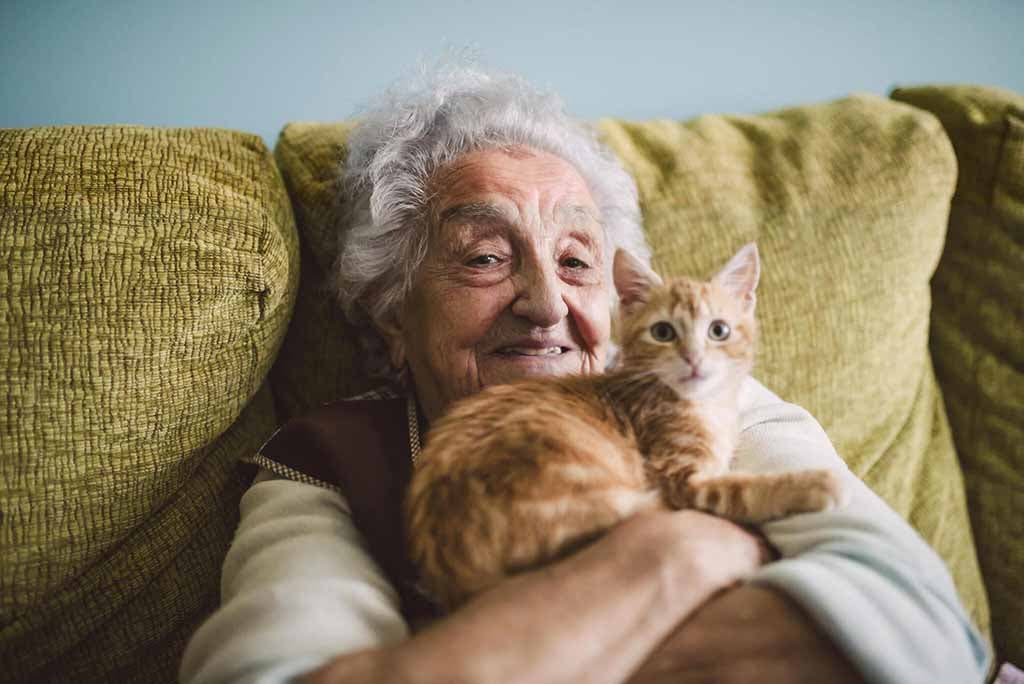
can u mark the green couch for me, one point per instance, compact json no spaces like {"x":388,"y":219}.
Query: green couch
{"x":155,"y":328}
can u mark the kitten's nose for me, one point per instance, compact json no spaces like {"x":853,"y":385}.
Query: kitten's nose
{"x":693,"y":359}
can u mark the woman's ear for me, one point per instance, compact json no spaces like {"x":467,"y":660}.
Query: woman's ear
{"x":390,"y":328}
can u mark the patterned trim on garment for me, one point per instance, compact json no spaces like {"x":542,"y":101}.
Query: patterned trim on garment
{"x":281,"y":470}
{"x":382,"y":392}
{"x":288,"y":473}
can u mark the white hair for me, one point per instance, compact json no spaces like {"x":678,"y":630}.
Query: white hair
{"x":423,"y":124}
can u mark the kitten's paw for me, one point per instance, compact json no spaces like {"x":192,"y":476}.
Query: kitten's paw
{"x":826,"y":490}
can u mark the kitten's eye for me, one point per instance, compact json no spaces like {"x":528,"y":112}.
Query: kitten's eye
{"x":719,"y":331}
{"x":663,"y":332}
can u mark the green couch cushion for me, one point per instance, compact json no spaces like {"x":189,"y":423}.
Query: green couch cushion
{"x":147,"y":281}
{"x":320,"y":360}
{"x":978,"y":332}
{"x":848,"y":203}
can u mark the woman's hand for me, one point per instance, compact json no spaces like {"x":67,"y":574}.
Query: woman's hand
{"x":594,"y":616}
{"x":715,"y":551}
{"x":745,"y":633}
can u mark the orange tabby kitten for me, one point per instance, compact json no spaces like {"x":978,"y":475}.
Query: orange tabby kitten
{"x":523,"y":473}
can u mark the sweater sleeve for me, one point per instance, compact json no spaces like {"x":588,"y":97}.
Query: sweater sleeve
{"x":861,"y":572}
{"x":297,"y":589}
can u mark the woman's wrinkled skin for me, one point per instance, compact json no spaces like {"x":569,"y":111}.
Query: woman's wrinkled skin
{"x":514,"y":283}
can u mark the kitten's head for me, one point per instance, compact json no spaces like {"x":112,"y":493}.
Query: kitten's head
{"x":698,"y":337}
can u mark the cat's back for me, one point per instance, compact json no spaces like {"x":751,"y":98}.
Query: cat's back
{"x":515,"y":476}
{"x":531,"y":422}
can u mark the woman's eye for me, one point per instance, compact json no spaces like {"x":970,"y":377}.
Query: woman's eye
{"x":574,"y":263}
{"x":484,"y":260}
{"x":719,"y":330}
{"x":663,"y":332}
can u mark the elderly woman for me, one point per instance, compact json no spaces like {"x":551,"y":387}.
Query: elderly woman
{"x":476,"y":250}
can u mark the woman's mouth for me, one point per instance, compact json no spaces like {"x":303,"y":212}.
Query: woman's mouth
{"x":531,"y":351}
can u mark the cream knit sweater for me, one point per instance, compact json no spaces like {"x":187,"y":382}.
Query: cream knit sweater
{"x":299,"y":588}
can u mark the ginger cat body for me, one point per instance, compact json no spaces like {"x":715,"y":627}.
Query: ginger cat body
{"x":524,"y":473}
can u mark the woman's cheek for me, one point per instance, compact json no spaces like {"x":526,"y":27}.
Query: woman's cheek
{"x":591,"y":313}
{"x":475,"y":312}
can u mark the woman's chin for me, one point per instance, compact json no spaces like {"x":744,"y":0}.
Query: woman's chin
{"x":496,"y":368}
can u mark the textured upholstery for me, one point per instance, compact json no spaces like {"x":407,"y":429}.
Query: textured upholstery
{"x":978,"y":332}
{"x":147,"y":278}
{"x":848,"y":203}
{"x":320,"y":360}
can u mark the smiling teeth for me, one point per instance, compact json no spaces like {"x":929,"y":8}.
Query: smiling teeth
{"x":550,"y":351}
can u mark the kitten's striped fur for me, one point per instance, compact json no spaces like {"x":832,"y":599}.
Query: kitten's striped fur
{"x":523,"y":473}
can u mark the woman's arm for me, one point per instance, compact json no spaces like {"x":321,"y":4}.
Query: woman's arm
{"x":747,"y":634}
{"x":868,"y":582}
{"x":297,"y":587}
{"x":593,"y":617}
{"x":299,"y":592}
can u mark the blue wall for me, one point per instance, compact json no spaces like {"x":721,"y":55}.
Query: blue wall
{"x":257,"y":65}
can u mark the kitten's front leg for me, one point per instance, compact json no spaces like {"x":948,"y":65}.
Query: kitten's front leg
{"x":748,"y":498}
{"x":682,"y":461}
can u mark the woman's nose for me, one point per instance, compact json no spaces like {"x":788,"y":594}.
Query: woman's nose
{"x":540,"y":297}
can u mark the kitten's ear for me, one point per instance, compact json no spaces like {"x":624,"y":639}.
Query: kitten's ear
{"x":633,"y":280}
{"x":739,"y":277}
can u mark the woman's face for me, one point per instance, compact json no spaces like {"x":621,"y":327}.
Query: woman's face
{"x":514,"y":282}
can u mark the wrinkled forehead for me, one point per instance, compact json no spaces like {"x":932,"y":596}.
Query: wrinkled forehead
{"x":519,"y":173}
{"x":463,"y":222}
{"x":513,"y":186}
